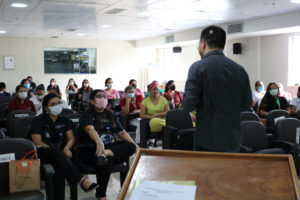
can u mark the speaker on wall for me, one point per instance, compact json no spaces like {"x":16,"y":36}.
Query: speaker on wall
{"x":237,"y":48}
{"x":177,"y":49}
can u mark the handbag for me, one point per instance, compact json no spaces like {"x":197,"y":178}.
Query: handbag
{"x":24,"y":174}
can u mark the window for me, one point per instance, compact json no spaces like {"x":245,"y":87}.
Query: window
{"x":70,"y":60}
{"x":294,"y":61}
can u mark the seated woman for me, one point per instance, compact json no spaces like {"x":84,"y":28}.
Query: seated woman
{"x":161,"y":91}
{"x":37,"y":99}
{"x":154,"y":108}
{"x":52,"y":85}
{"x":109,"y":91}
{"x":96,"y":131}
{"x":131,"y":104}
{"x":172,"y":95}
{"x":20,"y":102}
{"x":272,"y":101}
{"x":71,"y":89}
{"x":53,"y":136}
{"x":26,"y":84}
{"x":85,"y":91}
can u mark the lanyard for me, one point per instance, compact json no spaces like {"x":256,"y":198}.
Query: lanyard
{"x":278,"y":102}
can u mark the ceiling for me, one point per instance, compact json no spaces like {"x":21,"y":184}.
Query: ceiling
{"x":137,"y":19}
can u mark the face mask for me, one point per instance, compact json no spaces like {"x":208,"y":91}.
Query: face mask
{"x":39,"y":97}
{"x":56,"y":110}
{"x":52,"y":83}
{"x":172,"y":87}
{"x":101,"y":103}
{"x":86,"y":85}
{"x":22,"y":95}
{"x":72,"y":82}
{"x":274,"y":92}
{"x":27,"y":85}
{"x":109,"y":85}
{"x":261,"y":88}
{"x":30,"y":81}
{"x":130,"y":95}
{"x":134,"y":86}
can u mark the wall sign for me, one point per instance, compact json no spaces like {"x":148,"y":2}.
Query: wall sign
{"x":9,"y":62}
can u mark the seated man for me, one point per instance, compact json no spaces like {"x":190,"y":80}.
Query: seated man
{"x":3,"y":93}
{"x":258,"y":93}
{"x":20,"y":102}
{"x":295,"y":104}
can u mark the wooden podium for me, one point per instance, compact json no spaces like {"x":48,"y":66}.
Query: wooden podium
{"x":218,"y":176}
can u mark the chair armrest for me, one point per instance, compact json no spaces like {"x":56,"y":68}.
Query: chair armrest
{"x":244,"y":149}
{"x":144,"y":132}
{"x":288,"y":147}
{"x":168,"y":131}
{"x":49,"y":173}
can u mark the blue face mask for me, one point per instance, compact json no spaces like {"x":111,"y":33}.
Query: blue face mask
{"x":130,"y":95}
{"x":27,"y":85}
{"x":261,"y":88}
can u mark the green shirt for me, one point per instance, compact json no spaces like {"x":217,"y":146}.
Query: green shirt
{"x":151,"y":108}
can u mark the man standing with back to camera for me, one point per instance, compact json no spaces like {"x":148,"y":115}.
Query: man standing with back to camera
{"x":218,"y":88}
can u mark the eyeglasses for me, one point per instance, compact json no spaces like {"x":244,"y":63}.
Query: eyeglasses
{"x":55,"y":104}
{"x":101,"y":96}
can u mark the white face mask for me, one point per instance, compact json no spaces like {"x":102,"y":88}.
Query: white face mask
{"x":274,"y":92}
{"x":22,"y":95}
{"x":56,"y":110}
{"x":39,"y":97}
{"x":86,"y":85}
{"x":110,"y":85}
{"x":52,"y":83}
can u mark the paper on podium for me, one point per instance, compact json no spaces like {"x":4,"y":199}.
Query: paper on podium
{"x":154,"y":190}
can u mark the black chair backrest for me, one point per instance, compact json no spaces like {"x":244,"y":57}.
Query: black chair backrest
{"x":3,"y":110}
{"x":274,"y":115}
{"x":18,"y":147}
{"x":286,"y":129}
{"x":22,"y":127}
{"x":171,"y":105}
{"x":12,"y":116}
{"x":254,"y":135}
{"x":249,"y":116}
{"x":179,"y":119}
{"x":66,"y":111}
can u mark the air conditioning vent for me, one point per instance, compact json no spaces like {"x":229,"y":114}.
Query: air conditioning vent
{"x":115,"y":11}
{"x":71,"y":30}
{"x":169,"y":39}
{"x":55,"y":37}
{"x":235,"y":28}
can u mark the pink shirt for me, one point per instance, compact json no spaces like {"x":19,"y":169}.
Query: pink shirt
{"x":114,"y":94}
{"x":137,"y":92}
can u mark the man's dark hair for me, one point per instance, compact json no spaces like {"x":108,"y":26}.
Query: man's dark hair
{"x":23,"y":81}
{"x":214,"y":36}
{"x":131,"y":80}
{"x":2,"y":85}
{"x":18,"y":88}
{"x":28,"y":77}
{"x":256,"y":83}
{"x":40,"y":87}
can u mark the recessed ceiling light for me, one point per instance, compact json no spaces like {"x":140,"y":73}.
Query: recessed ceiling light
{"x":295,"y":1}
{"x":19,"y":5}
{"x":2,"y":31}
{"x":81,"y":34}
{"x":105,"y":26}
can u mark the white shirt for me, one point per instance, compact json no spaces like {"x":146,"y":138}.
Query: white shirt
{"x":37,"y":104}
{"x":296,"y":102}
{"x":257,"y":96}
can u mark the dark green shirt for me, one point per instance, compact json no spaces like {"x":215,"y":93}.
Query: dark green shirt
{"x":218,"y":89}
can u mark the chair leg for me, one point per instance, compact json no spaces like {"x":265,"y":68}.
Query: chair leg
{"x":73,"y":192}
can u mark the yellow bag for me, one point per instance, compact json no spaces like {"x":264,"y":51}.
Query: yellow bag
{"x":24,"y":174}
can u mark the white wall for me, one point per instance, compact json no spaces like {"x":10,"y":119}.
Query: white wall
{"x":116,"y":59}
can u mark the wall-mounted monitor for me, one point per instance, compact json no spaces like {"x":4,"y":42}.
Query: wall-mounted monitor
{"x":70,"y":60}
